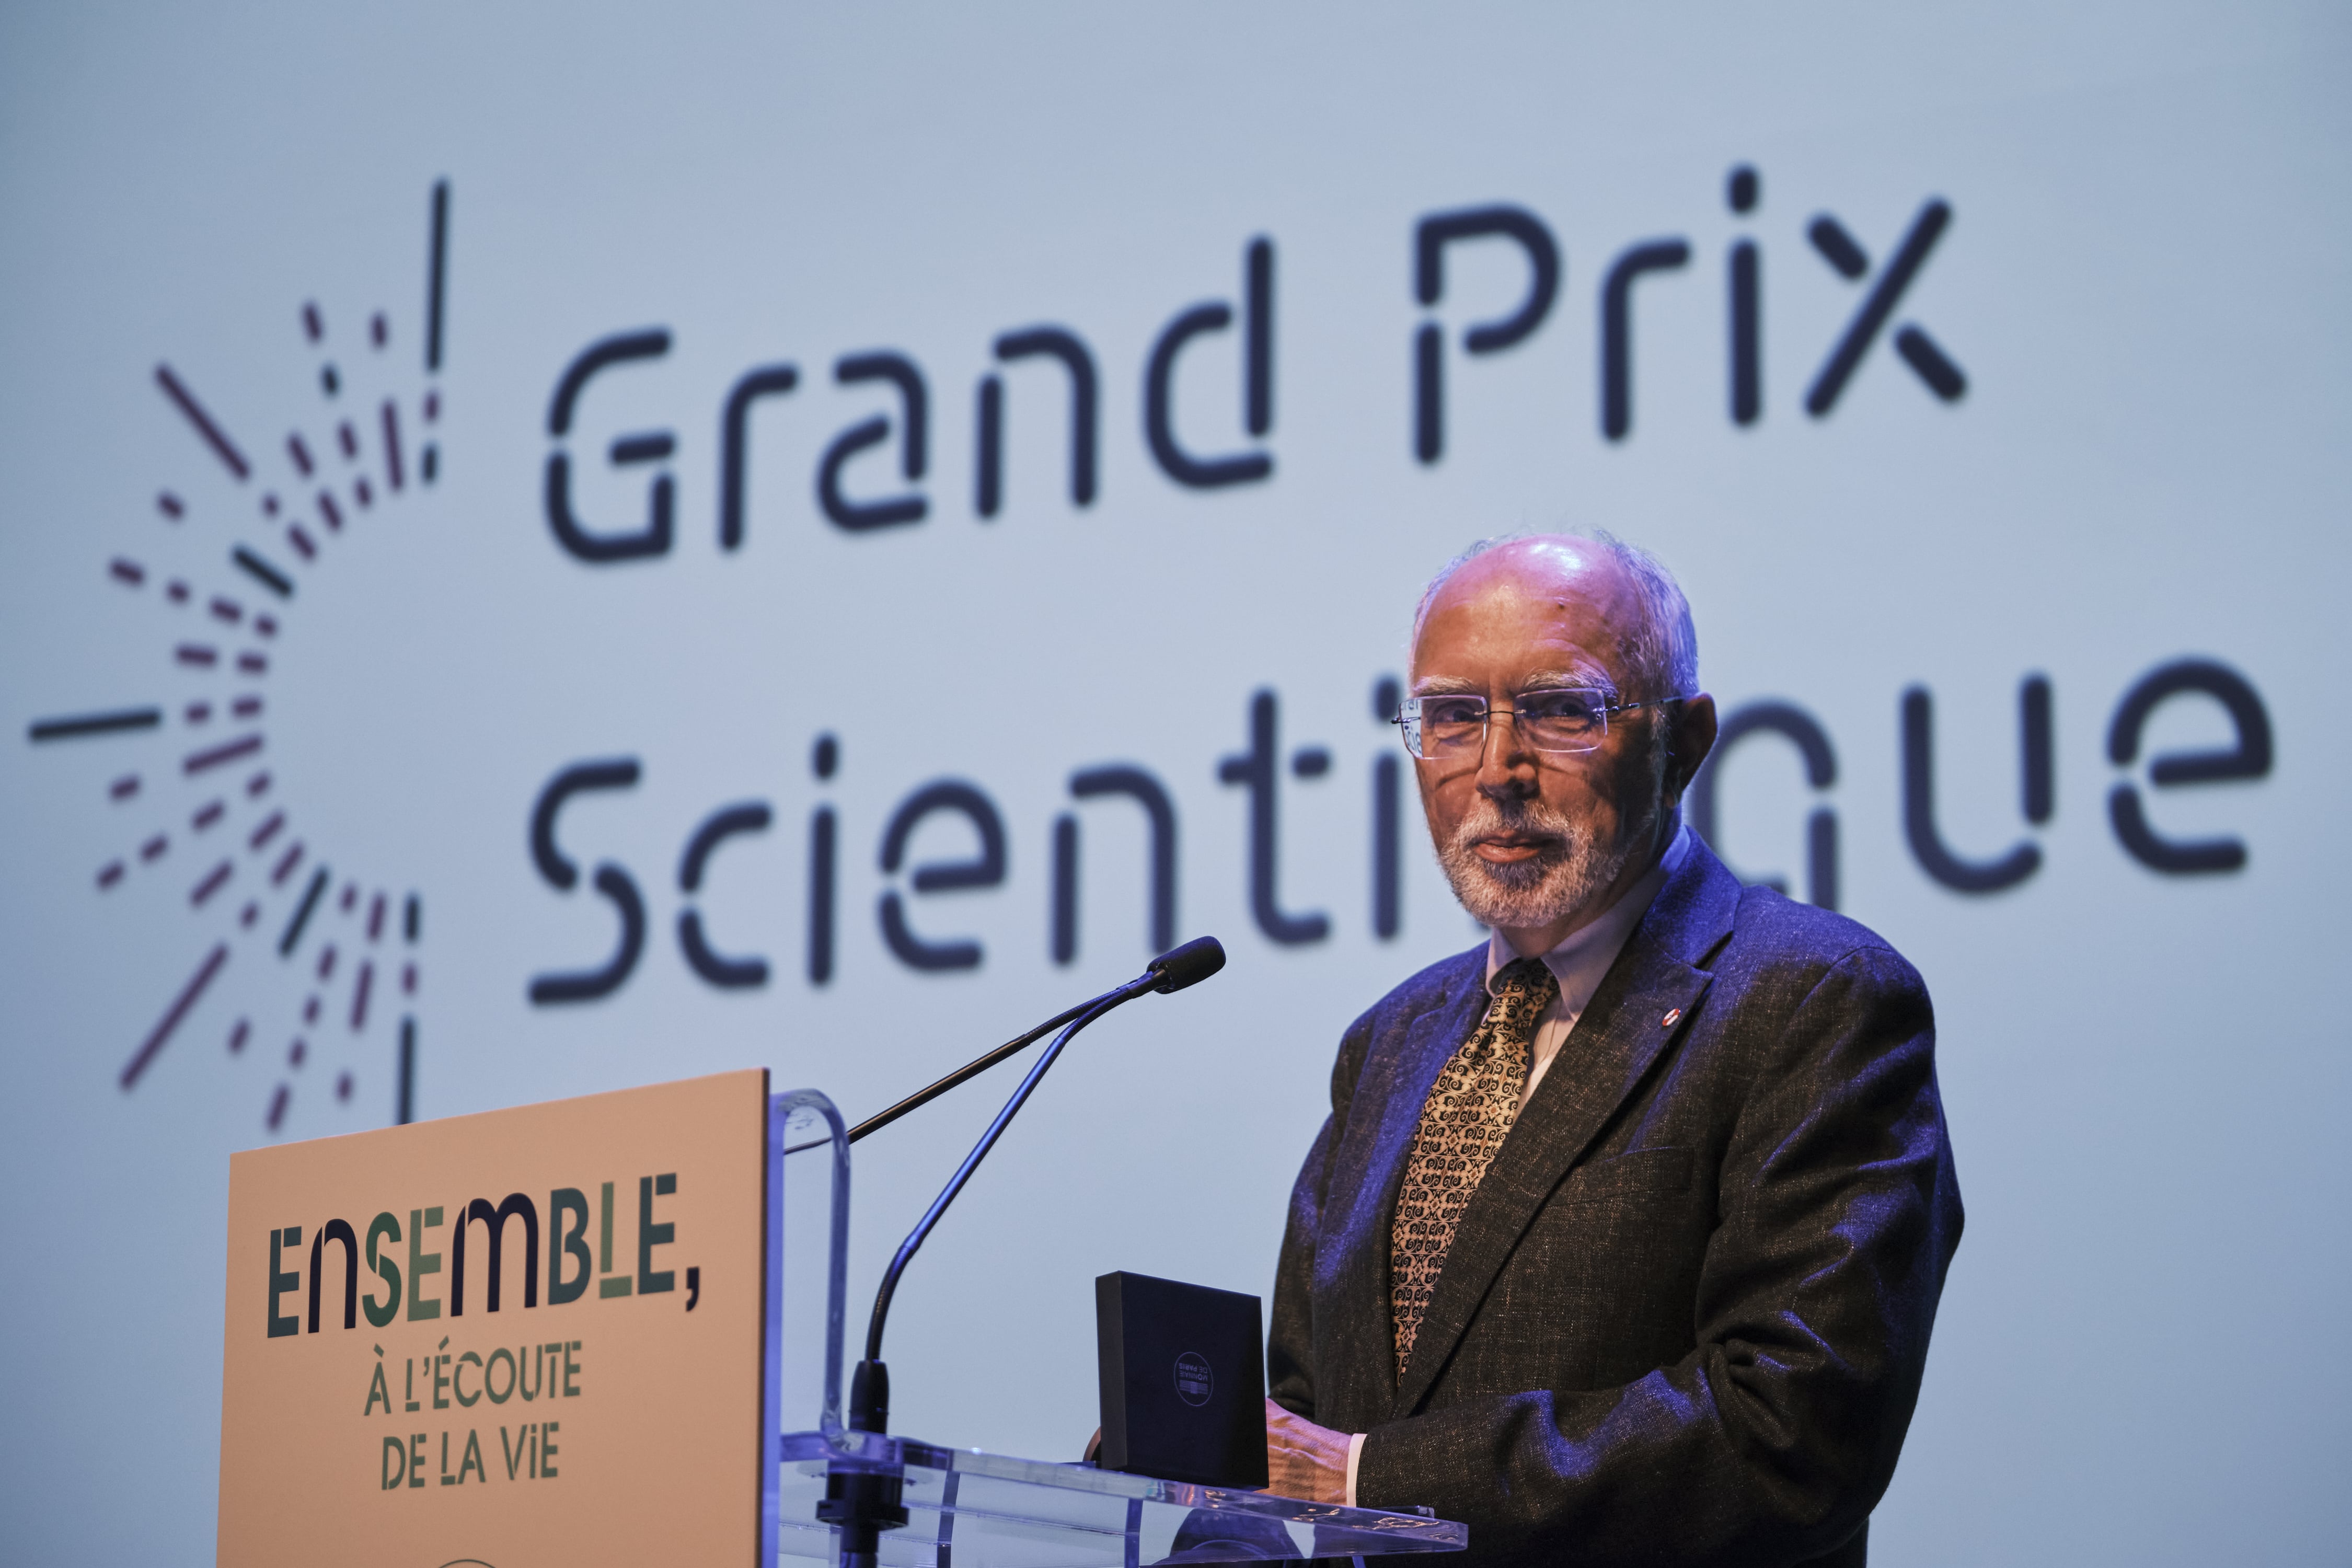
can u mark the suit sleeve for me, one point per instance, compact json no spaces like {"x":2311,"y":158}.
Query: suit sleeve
{"x":1290,"y":1338}
{"x":1771,"y":1442}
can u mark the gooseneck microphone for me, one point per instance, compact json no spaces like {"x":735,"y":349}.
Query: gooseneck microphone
{"x":1187,"y":966}
{"x":862,"y":1502}
{"x":971,"y":1069}
{"x":1178,"y":967}
{"x":869,"y":1400}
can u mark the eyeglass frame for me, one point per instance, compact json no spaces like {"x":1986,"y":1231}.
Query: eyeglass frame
{"x":1487,"y":722}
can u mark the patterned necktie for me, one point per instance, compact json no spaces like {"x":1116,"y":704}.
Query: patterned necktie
{"x":1469,"y":1111}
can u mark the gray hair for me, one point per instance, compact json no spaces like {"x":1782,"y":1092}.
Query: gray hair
{"x":1663,"y":648}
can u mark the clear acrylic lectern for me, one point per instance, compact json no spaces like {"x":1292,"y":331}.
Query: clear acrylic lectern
{"x":966,"y":1509}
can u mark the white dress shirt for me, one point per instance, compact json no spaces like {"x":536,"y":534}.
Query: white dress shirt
{"x":1580,"y":963}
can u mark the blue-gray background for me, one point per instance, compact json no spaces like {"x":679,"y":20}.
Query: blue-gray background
{"x":2143,"y":282}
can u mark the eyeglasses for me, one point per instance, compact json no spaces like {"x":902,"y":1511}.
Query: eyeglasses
{"x":1557,"y":720}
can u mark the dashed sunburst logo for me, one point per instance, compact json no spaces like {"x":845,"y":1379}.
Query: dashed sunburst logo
{"x":205,"y":823}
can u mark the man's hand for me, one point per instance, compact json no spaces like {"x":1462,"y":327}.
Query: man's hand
{"x":1304,"y":1460}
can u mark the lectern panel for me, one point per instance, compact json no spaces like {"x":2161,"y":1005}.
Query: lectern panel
{"x":529,"y":1335}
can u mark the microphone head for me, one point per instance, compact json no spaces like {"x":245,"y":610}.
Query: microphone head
{"x":1187,"y":966}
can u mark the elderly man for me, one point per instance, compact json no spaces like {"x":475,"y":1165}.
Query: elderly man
{"x":1625,"y":1237}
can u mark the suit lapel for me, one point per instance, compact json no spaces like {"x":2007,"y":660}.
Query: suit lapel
{"x":1615,"y":1042}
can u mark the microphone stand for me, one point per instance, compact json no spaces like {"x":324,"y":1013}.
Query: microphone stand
{"x":971,"y":1069}
{"x":862,"y":1502}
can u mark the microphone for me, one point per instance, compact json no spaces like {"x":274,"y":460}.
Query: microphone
{"x":1176,"y":968}
{"x":1171,"y":970}
{"x":1187,"y":966}
{"x":862,"y":1502}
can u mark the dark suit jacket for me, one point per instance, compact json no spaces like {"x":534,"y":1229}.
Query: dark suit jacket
{"x":1683,"y":1317}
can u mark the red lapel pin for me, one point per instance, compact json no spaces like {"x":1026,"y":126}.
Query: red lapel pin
{"x":1668,"y":1021}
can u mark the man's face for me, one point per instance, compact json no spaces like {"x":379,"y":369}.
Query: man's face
{"x":1538,"y":842}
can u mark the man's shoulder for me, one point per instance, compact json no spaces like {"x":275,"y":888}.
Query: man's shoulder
{"x":1432,"y":987}
{"x":1772,"y":934}
{"x":1381,"y":1032}
{"x":1705,"y":917}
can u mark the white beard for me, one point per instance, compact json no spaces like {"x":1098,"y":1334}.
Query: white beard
{"x":1565,"y":877}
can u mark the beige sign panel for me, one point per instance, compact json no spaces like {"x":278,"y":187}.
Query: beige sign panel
{"x":531,"y":1336}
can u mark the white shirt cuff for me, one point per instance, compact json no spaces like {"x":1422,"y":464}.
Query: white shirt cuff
{"x":1355,"y":1454}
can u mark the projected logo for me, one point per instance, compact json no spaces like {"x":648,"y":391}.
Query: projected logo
{"x":215,"y":832}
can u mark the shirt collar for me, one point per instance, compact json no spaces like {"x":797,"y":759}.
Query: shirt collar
{"x":1584,"y":955}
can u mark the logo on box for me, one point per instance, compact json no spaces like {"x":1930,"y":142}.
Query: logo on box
{"x":1193,"y":1379}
